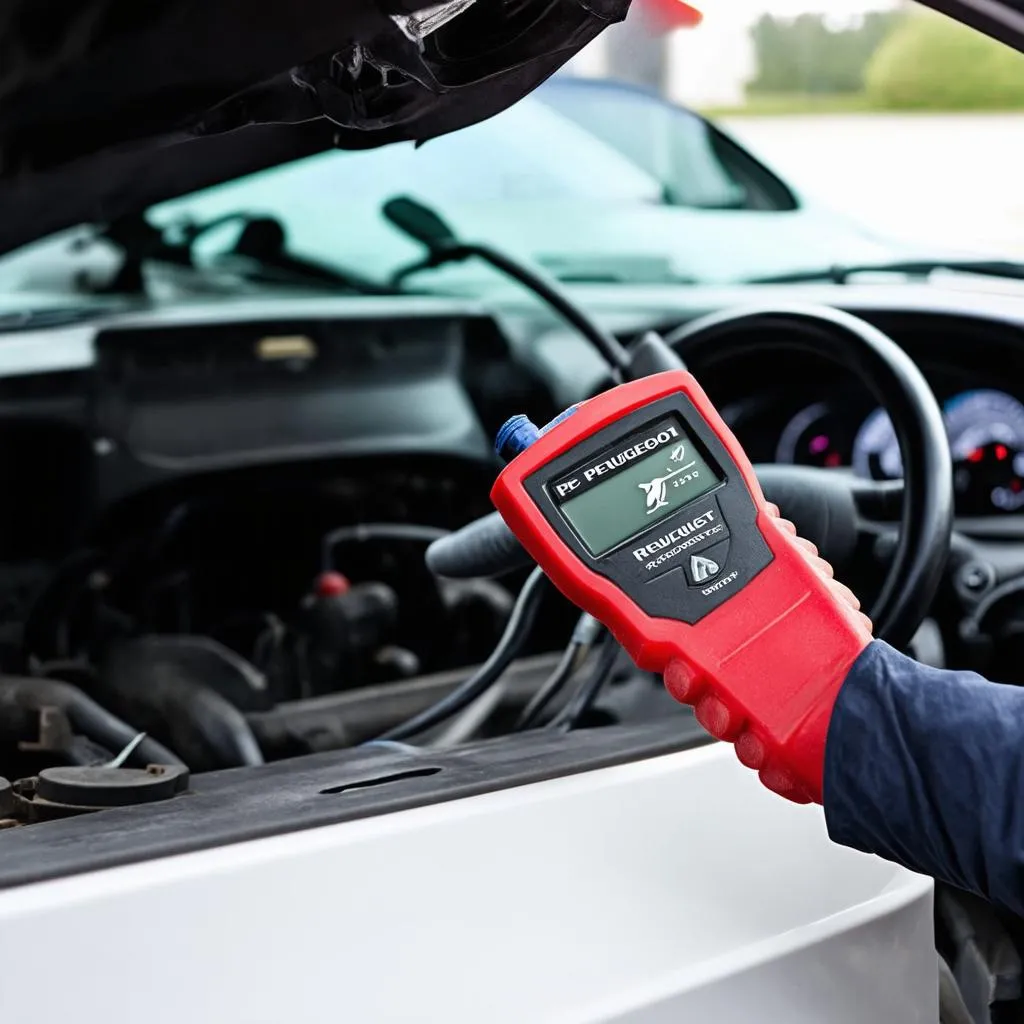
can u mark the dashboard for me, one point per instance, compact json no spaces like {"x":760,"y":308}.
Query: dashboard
{"x":985,"y":427}
{"x":791,"y":408}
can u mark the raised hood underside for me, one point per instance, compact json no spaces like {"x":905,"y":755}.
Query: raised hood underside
{"x":107,"y":106}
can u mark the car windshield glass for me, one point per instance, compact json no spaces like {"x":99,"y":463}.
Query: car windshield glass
{"x":592,"y":181}
{"x":527,"y":179}
{"x":673,"y":145}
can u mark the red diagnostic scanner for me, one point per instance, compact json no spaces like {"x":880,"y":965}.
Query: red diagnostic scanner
{"x":644,"y":510}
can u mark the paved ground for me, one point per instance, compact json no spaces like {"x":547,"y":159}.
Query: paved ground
{"x":953,"y":179}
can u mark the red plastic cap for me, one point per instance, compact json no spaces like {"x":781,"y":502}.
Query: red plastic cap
{"x":669,"y":15}
{"x":332,"y":584}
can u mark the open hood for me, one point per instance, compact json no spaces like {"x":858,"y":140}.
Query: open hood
{"x":1001,"y":19}
{"x":108,"y":106}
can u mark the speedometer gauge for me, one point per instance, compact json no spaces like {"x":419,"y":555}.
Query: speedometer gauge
{"x":979,"y":418}
{"x":986,"y":438}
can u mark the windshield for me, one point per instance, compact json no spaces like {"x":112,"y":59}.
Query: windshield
{"x":528,"y":180}
{"x":549,"y":180}
{"x":595,"y":181}
{"x":592,"y":181}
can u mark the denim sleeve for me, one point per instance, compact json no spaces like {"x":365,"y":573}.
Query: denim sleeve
{"x":926,"y":767}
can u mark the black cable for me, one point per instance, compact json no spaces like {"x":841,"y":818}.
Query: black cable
{"x":562,"y":673}
{"x":377,"y":531}
{"x":583,"y":699}
{"x":584,"y":636}
{"x":517,"y":630}
{"x":443,"y":246}
{"x":609,"y":346}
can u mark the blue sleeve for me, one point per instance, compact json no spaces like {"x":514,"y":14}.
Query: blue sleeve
{"x":926,"y":767}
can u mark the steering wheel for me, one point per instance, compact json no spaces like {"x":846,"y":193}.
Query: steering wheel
{"x":833,"y":508}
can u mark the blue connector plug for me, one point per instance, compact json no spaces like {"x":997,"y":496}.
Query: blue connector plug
{"x":518,"y":433}
{"x":515,"y":436}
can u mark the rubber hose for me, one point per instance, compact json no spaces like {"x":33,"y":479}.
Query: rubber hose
{"x":163,"y":695}
{"x":85,"y":716}
{"x":516,"y":631}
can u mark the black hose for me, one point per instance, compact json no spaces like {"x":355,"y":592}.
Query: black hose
{"x":552,"y":686}
{"x":517,"y":630}
{"x":583,"y":699}
{"x":158,"y":683}
{"x":584,"y":636}
{"x":84,"y":715}
{"x":362,"y":532}
{"x":606,"y":344}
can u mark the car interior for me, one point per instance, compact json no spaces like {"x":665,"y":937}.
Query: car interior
{"x":240,"y":400}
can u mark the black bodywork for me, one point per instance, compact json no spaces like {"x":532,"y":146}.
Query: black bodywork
{"x":108,"y":106}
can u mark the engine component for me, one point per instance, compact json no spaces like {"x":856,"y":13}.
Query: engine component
{"x":377,"y":531}
{"x":45,"y":713}
{"x":183,"y":690}
{"x":64,"y":792}
{"x":342,"y":631}
{"x":6,"y":804}
{"x":346,"y":719}
{"x":516,"y":632}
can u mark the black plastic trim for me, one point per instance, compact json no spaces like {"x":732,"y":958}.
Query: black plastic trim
{"x":326,"y":789}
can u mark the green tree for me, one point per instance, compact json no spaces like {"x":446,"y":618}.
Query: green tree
{"x":932,"y":62}
{"x":806,"y":55}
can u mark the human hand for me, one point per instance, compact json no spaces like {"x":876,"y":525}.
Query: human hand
{"x":783,"y":737}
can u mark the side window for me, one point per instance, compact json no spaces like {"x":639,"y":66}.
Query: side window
{"x":696,"y":164}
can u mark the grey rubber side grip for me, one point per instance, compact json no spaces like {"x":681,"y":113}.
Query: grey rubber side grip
{"x":483,"y":548}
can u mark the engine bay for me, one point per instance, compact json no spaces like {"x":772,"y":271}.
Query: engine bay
{"x":222,"y":562}
{"x":219,"y":563}
{"x":231,"y":520}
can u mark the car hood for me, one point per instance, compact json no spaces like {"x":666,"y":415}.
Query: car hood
{"x":109,"y":106}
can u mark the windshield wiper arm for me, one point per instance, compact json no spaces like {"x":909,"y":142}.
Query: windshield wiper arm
{"x":263,"y":244}
{"x":841,"y":274}
{"x":57,"y":316}
{"x":261,"y":250}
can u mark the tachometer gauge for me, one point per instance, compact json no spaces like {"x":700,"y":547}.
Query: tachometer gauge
{"x":876,"y":452}
{"x":986,"y":437}
{"x":815,"y":436}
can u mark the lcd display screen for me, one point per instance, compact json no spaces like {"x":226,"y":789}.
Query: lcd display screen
{"x":609,"y":501}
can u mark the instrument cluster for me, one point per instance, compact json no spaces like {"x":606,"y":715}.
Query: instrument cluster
{"x":986,"y":438}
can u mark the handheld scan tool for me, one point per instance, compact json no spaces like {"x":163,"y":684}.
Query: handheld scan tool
{"x":642,"y":508}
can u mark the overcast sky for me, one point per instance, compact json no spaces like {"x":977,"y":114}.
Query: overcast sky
{"x":744,"y":10}
{"x":710,"y":64}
